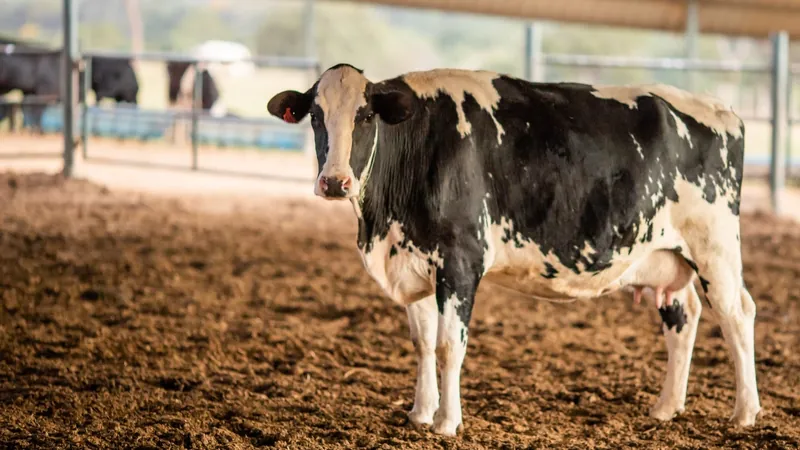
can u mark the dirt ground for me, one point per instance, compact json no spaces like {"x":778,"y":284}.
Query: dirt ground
{"x":136,"y":321}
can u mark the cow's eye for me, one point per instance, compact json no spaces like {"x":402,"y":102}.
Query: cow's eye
{"x":368,"y":117}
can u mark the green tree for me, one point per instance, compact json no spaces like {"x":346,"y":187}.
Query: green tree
{"x":348,"y":33}
{"x":105,"y":36}
{"x":282,"y":32}
{"x":198,"y":25}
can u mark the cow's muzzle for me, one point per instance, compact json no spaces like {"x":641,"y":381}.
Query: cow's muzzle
{"x":335,"y":187}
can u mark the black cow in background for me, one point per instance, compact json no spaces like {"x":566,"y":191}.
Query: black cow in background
{"x":113,"y":78}
{"x":33,"y":71}
{"x":36,"y":70}
{"x":182,"y":77}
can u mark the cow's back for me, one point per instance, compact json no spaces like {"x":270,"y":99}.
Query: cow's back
{"x":584,"y":174}
{"x":32,"y":73}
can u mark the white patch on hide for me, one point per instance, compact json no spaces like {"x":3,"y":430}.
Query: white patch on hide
{"x":405,"y":276}
{"x":705,"y":109}
{"x":638,"y":146}
{"x":456,"y":83}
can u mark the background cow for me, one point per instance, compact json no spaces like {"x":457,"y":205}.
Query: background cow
{"x":231,"y":57}
{"x":36,"y":71}
{"x":33,"y":71}
{"x":224,"y":59}
{"x":217,"y":59}
{"x":181,"y":76}
{"x":114,"y":79}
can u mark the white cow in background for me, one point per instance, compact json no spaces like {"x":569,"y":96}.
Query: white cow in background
{"x":233,"y":56}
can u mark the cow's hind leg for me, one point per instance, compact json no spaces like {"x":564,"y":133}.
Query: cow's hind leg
{"x":423,"y":321}
{"x":679,"y":317}
{"x":742,"y":342}
{"x":719,"y":267}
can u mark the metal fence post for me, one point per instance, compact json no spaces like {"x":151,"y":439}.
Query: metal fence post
{"x":790,"y":122}
{"x":533,"y":52}
{"x":780,"y":102}
{"x":87,"y":85}
{"x":308,"y":20}
{"x":528,"y":69}
{"x":197,"y":106}
{"x":690,"y":37}
{"x":69,"y":49}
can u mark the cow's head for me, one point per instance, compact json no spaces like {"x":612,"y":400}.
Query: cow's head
{"x":345,"y":110}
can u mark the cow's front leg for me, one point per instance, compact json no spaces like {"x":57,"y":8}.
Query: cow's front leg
{"x":423,"y":321}
{"x":455,"y":294}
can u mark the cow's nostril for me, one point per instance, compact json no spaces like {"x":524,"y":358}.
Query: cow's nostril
{"x":335,"y":187}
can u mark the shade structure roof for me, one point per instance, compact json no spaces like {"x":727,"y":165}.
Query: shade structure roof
{"x":754,"y":18}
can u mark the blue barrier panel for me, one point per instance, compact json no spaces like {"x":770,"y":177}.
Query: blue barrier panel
{"x":126,"y":122}
{"x":52,"y":120}
{"x":129,"y":123}
{"x":280,"y":140}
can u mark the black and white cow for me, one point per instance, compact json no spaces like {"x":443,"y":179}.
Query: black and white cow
{"x":181,"y":77}
{"x":555,"y":190}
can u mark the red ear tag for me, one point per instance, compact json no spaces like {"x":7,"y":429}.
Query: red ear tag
{"x":288,"y":117}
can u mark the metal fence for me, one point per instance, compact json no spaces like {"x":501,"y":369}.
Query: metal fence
{"x":126,"y":121}
{"x":151,"y":124}
{"x":689,"y":67}
{"x":778,"y":76}
{"x":778,"y":73}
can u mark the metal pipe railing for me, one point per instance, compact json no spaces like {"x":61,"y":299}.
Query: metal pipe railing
{"x":196,"y":111}
{"x":679,"y":64}
{"x":292,"y":62}
{"x":32,"y":100}
{"x":550,"y":60}
{"x":15,"y":49}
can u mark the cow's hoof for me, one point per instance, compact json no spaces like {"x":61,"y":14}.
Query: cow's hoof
{"x":665,"y":411}
{"x":446,"y":427}
{"x":745,"y":417}
{"x":420,"y":419}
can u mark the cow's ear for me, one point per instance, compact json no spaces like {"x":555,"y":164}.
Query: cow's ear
{"x":290,"y":106}
{"x":393,"y":105}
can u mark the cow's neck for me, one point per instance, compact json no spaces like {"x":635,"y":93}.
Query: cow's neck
{"x":393,"y":182}
{"x":367,"y":172}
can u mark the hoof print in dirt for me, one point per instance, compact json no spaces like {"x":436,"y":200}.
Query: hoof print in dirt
{"x":178,"y":384}
{"x":91,"y":295}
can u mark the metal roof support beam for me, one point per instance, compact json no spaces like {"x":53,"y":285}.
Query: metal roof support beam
{"x":754,"y":18}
